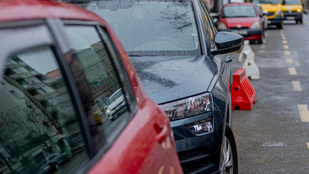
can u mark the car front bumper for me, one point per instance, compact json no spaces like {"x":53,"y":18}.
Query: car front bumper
{"x":198,"y":153}
{"x":293,"y":15}
{"x":275,"y":21}
{"x":248,"y":34}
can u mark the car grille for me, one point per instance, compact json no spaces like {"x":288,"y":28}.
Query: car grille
{"x":294,"y":13}
{"x":239,"y":28}
{"x":270,"y":13}
{"x":196,"y":160}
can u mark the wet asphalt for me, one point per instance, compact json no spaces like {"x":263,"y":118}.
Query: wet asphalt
{"x":272,"y":138}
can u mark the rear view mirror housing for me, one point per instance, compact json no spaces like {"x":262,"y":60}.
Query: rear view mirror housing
{"x":265,"y":12}
{"x":227,"y":42}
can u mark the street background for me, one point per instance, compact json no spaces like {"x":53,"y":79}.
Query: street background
{"x":273,"y":137}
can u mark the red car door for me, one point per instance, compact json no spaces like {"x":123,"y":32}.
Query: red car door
{"x":139,"y":139}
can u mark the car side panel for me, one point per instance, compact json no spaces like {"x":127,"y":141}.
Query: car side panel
{"x":137,"y":149}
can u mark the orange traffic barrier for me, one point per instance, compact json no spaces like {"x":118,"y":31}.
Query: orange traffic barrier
{"x":242,"y":92}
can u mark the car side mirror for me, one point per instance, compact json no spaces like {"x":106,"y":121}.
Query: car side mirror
{"x":227,"y":42}
{"x":265,"y":12}
{"x":283,"y":2}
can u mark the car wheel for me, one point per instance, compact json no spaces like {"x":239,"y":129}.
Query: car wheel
{"x":280,"y":26}
{"x":229,"y":153}
{"x":301,"y":21}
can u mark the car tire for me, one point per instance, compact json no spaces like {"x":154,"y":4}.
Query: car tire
{"x":280,"y":26}
{"x":301,"y":21}
{"x":229,"y":153}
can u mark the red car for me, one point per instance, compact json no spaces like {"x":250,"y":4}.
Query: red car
{"x":242,"y":18}
{"x":60,"y":64}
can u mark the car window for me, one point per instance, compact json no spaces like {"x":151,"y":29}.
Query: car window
{"x":239,"y":11}
{"x":208,"y":25}
{"x":270,"y":1}
{"x":104,"y":96}
{"x":151,"y":28}
{"x":291,"y":2}
{"x":39,"y":132}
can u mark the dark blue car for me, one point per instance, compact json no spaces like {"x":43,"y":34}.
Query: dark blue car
{"x":182,"y":62}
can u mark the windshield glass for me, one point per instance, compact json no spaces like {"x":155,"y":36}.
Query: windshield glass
{"x":149,"y":27}
{"x":270,"y":1}
{"x":292,"y":2}
{"x":239,"y":11}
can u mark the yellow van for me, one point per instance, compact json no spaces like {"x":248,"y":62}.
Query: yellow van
{"x":292,"y":10}
{"x":275,"y":15}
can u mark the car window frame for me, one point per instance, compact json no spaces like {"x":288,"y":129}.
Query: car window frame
{"x":204,"y":45}
{"x":125,"y":83}
{"x":51,"y":42}
{"x":59,"y":45}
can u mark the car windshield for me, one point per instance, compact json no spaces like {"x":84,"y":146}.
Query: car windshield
{"x":239,"y":11}
{"x":151,"y":27}
{"x":292,"y":2}
{"x":270,"y":1}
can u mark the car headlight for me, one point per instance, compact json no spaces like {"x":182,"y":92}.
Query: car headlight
{"x":108,"y":111}
{"x":221,"y":26}
{"x":278,"y":12}
{"x":256,"y":25}
{"x":188,"y":107}
{"x":298,"y":10}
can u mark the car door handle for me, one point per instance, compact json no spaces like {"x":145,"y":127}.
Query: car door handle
{"x":162,"y":132}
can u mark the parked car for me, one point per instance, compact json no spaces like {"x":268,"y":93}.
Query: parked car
{"x":244,"y":19}
{"x":181,"y":61}
{"x":55,"y":60}
{"x":275,"y":14}
{"x":52,"y":163}
{"x":293,"y":10}
{"x":116,"y":104}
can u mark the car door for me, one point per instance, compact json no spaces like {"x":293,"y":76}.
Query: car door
{"x":40,"y":121}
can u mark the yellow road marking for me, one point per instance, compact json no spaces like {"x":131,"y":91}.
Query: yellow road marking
{"x":303,"y":112}
{"x":283,"y":38}
{"x":286,"y":47}
{"x":287,"y":52}
{"x":296,"y":86}
{"x":290,"y":61}
{"x":292,"y":71}
{"x":284,"y":41}
{"x":308,"y":145}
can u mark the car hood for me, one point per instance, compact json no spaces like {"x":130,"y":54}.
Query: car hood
{"x":243,"y":22}
{"x":271,"y":7}
{"x":170,"y":78}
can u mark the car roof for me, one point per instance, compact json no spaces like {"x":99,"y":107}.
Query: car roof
{"x":17,"y":10}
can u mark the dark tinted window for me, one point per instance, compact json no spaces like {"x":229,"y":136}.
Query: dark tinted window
{"x":39,"y":132}
{"x":98,"y":80}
